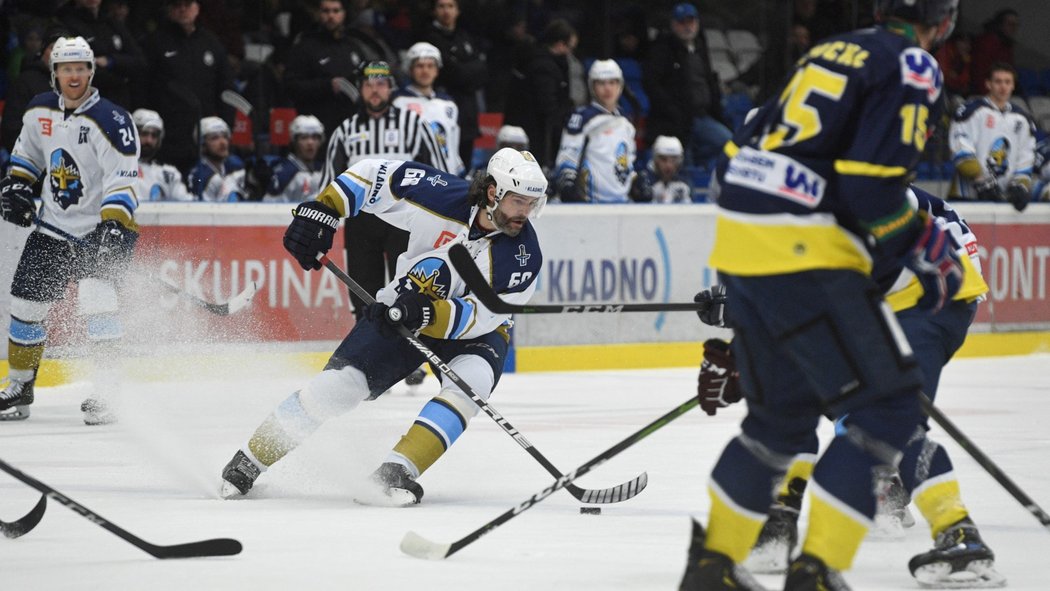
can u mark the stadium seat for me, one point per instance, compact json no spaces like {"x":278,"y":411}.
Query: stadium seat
{"x":722,"y":64}
{"x":716,"y":40}
{"x":741,"y":40}
{"x":1040,"y":110}
{"x":1019,"y":102}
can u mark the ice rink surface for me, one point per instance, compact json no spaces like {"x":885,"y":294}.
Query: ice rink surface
{"x":156,"y":474}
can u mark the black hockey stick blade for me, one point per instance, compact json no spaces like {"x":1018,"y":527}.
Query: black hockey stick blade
{"x":20,"y":527}
{"x":216,"y":547}
{"x":416,"y":545}
{"x":985,"y":462}
{"x":614,"y":494}
{"x":479,"y":286}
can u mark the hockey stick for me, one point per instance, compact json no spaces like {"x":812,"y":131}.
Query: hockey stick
{"x":215,"y":547}
{"x":464,"y":264}
{"x":349,"y":90}
{"x":232,"y":306}
{"x":416,"y":545}
{"x":613,"y":494}
{"x":236,"y":101}
{"x":989,"y":466}
{"x":21,"y":527}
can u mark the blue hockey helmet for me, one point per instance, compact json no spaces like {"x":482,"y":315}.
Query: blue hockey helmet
{"x":924,"y":12}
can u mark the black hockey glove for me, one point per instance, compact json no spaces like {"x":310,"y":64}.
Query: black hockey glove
{"x":16,"y":201}
{"x":713,"y":303}
{"x":413,"y":310}
{"x":1018,"y":196}
{"x":988,"y":189}
{"x":719,"y":382}
{"x":641,"y":190}
{"x":116,"y":243}
{"x":936,"y":265}
{"x":310,"y":233}
{"x":568,"y":188}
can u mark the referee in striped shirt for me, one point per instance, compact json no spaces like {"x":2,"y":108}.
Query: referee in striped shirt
{"x":377,"y":130}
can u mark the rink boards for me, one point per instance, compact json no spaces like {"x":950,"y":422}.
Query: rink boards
{"x":592,"y":254}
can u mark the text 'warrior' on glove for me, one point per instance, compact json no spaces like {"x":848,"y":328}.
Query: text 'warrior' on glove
{"x":16,"y":201}
{"x":936,"y":265}
{"x":310,"y":233}
{"x":719,"y":383}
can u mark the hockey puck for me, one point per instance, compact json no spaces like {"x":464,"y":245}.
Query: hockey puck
{"x":590,"y":510}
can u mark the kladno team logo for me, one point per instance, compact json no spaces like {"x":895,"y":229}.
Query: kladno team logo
{"x":430,"y":277}
{"x":998,"y":161}
{"x":66,"y":185}
{"x":622,"y":169}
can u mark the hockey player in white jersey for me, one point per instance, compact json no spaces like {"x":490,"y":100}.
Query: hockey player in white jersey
{"x":218,"y":175}
{"x":157,"y":181}
{"x":664,"y":172}
{"x":491,"y":218}
{"x":993,"y":145}
{"x":595,"y":162}
{"x":297,"y":176}
{"x":423,"y":63}
{"x":84,"y":150}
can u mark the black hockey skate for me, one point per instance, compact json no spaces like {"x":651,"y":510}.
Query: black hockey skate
{"x":959,"y":560}
{"x":15,"y":399}
{"x":396,"y":487}
{"x":713,"y":571}
{"x":809,"y":573}
{"x":776,"y":541}
{"x":238,"y":476}
{"x":97,"y":412}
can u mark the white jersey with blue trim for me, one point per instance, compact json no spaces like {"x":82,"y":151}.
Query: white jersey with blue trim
{"x":600,"y":146}
{"x":89,"y":160}
{"x":434,"y":207}
{"x":1002,"y":141}
{"x":442,"y":114}
{"x":293,"y":181}
{"x":161,"y":182}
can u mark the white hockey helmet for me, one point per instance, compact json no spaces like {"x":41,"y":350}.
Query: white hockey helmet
{"x":516,"y":171}
{"x":148,"y":119}
{"x":668,"y":145}
{"x":512,"y":135}
{"x":422,"y":50}
{"x":306,"y":125}
{"x":604,"y":70}
{"x":71,"y":50}
{"x":210,"y":125}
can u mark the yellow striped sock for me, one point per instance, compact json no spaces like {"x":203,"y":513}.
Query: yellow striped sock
{"x":835,"y":530}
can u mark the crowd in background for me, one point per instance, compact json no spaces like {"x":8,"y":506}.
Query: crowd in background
{"x":525,"y":62}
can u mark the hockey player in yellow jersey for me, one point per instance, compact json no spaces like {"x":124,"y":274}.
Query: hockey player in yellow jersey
{"x":812,"y":188}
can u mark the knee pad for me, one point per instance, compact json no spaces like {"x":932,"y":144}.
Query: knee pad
{"x":29,"y":311}
{"x":477,"y":373}
{"x":96,"y":296}
{"x":333,"y":392}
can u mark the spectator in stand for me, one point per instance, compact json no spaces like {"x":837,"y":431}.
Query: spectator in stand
{"x":664,"y":172}
{"x":538,"y":100}
{"x":684,"y":94}
{"x":596,"y":159}
{"x":188,"y":71}
{"x":157,"y":181}
{"x":995,"y":45}
{"x":463,"y":71}
{"x":297,"y":176}
{"x":423,"y":62}
{"x":322,"y":66}
{"x":118,"y":59}
{"x":955,"y":58}
{"x":816,"y":21}
{"x":34,"y":79}
{"x":993,"y":144}
{"x":218,"y":175}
